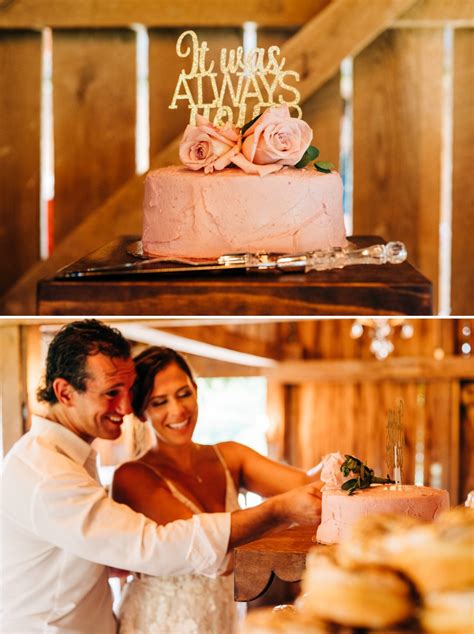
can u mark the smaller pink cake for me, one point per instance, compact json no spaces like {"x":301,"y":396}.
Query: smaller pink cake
{"x":341,"y":511}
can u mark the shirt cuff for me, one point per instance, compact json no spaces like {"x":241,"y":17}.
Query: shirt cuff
{"x":210,"y":539}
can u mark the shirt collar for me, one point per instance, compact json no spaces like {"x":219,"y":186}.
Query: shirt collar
{"x":73,"y":446}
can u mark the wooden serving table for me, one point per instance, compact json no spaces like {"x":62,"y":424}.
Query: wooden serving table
{"x":281,"y":554}
{"x":388,"y":289}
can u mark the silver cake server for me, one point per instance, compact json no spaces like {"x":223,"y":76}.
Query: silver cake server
{"x":336,"y":258}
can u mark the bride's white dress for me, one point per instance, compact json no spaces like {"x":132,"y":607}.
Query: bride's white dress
{"x":183,"y":604}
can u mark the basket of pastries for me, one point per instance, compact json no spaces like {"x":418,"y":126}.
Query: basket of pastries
{"x":394,"y":574}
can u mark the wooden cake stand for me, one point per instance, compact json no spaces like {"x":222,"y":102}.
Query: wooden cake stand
{"x":368,"y":289}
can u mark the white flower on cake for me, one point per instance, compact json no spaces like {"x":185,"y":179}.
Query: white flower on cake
{"x":331,"y":473}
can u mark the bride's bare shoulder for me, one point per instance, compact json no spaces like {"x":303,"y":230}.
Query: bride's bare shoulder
{"x":129,"y":474}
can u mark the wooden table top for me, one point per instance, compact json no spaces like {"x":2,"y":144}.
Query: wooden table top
{"x":282,"y":554}
{"x":389,"y":289}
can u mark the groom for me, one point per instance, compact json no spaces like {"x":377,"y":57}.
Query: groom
{"x":59,"y":529}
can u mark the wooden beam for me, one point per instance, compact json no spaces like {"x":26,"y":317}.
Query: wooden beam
{"x":435,"y":13}
{"x":150,"y":336}
{"x":358,"y":371}
{"x":156,"y":13}
{"x":225,"y":337}
{"x":342,"y":29}
{"x":206,"y":13}
{"x":211,"y":368}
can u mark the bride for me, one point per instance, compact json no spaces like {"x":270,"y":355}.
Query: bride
{"x":176,"y":479}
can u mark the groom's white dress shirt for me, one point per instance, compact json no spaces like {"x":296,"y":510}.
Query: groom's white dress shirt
{"x":59,"y":531}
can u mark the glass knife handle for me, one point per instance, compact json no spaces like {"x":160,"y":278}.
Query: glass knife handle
{"x":337,"y":258}
{"x":392,"y":253}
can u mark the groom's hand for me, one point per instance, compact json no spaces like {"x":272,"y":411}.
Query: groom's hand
{"x":301,"y":505}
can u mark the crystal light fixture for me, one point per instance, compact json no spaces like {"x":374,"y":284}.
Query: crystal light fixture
{"x":380,"y":331}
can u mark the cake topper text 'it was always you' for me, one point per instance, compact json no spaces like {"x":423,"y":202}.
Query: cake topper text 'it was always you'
{"x":256,"y":76}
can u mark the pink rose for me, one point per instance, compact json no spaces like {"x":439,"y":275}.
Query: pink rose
{"x":276,"y":137}
{"x":331,"y":473}
{"x":206,"y":146}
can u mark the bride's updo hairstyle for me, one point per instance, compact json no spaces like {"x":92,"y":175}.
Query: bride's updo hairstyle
{"x":147,"y":365}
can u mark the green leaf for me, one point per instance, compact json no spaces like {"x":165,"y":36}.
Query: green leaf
{"x":311,"y":154}
{"x":324,"y":166}
{"x":250,"y":123}
{"x":349,"y":484}
{"x":364,"y":475}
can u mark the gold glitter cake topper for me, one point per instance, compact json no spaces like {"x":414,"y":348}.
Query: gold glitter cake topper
{"x":395,"y":442}
{"x":256,"y":75}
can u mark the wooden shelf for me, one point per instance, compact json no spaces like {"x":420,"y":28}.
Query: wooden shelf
{"x":355,"y":290}
{"x":282,"y":554}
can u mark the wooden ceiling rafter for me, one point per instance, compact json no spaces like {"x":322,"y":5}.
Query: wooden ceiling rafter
{"x":152,"y":336}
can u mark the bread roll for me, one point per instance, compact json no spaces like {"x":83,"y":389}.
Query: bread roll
{"x":363,"y":596}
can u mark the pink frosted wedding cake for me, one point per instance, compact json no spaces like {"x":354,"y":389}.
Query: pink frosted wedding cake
{"x":341,"y":509}
{"x":245,"y":190}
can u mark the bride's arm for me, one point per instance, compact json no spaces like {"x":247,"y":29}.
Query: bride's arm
{"x":261,"y":475}
{"x":140,"y":488}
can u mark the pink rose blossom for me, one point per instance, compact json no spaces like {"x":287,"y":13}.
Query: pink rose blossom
{"x":206,"y":146}
{"x":276,"y":137}
{"x":331,"y":473}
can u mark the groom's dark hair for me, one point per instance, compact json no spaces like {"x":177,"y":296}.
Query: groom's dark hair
{"x":68,"y":352}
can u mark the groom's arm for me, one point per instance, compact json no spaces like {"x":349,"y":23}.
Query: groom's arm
{"x":302,"y":505}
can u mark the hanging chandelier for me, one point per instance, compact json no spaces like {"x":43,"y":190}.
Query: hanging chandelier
{"x":381,"y":331}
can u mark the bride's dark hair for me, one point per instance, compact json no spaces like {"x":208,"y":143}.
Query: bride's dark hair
{"x":147,"y":365}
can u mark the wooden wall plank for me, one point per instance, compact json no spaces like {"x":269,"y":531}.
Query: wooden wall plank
{"x":20,"y":87}
{"x":323,"y":112}
{"x":440,"y":419}
{"x":276,"y":414}
{"x":397,"y":142}
{"x":179,"y":13}
{"x":352,"y":419}
{"x":12,"y":386}
{"x":463,"y":184}
{"x":466,"y":441}
{"x":94,"y":120}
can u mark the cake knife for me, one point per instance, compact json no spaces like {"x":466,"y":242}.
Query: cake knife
{"x":336,"y":258}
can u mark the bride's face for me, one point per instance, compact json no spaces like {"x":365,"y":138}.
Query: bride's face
{"x":172,"y":407}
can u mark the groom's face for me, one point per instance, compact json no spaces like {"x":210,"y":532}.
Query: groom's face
{"x":98,"y":411}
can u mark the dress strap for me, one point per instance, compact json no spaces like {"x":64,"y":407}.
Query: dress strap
{"x":175,"y":492}
{"x":232,"y":496}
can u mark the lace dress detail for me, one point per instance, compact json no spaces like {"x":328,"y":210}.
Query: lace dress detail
{"x":183,"y":604}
